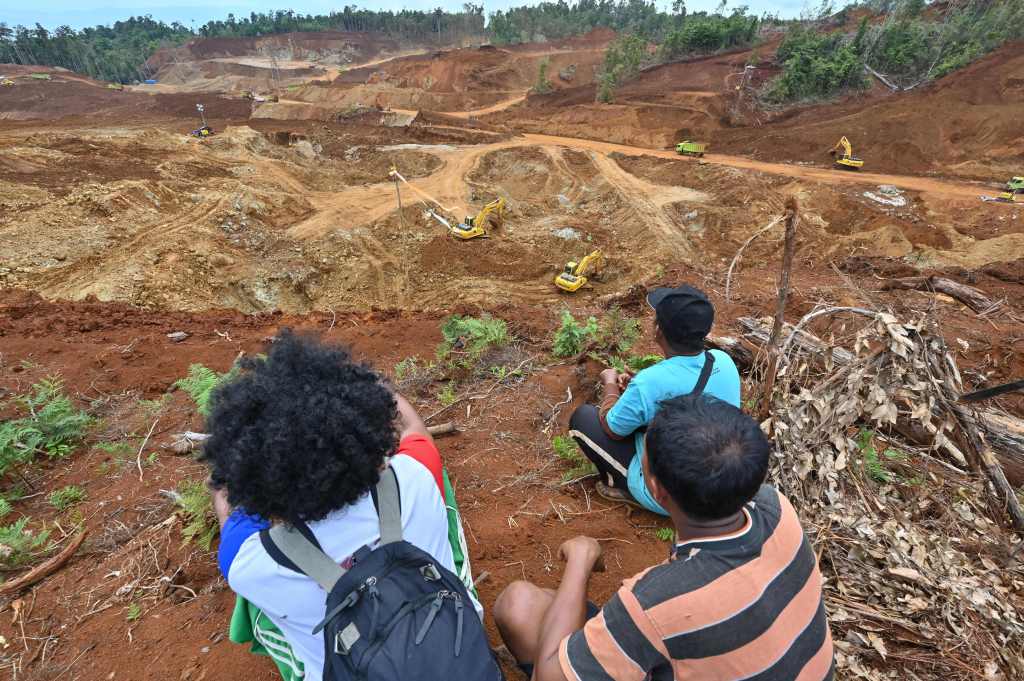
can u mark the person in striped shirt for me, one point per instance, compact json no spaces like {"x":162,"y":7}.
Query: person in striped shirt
{"x":739,"y":598}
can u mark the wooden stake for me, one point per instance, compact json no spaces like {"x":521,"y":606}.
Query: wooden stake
{"x":792,"y":218}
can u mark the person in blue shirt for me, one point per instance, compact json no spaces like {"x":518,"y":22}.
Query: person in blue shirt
{"x":612,"y":434}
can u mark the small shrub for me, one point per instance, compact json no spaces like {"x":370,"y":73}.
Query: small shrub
{"x":543,"y":84}
{"x":567,"y":450}
{"x":471,"y":337}
{"x":201,"y":382}
{"x":640,"y":362}
{"x":134,"y":612}
{"x":197,"y":506}
{"x":613,"y":333}
{"x":66,"y":497}
{"x":18,"y":545}
{"x":447,"y":394}
{"x":571,"y":336}
{"x":406,"y":368}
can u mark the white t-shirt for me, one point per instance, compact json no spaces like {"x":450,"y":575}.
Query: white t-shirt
{"x":294,"y":602}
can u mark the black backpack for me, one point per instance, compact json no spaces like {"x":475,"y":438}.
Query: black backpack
{"x":397,"y":613}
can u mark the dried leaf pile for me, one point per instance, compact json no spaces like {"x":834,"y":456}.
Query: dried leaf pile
{"x":921,"y":580}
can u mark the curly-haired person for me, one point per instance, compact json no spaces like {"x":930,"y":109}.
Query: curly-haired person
{"x":301,"y":437}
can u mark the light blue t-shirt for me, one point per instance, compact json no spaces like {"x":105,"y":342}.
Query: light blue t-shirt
{"x":672,"y":377}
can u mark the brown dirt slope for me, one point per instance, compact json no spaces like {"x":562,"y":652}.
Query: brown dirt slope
{"x":966,"y":124}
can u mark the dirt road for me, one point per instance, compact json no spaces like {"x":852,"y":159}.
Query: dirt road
{"x":827,"y":175}
{"x":360,"y":205}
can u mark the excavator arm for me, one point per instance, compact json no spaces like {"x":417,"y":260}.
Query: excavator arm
{"x":844,"y":146}
{"x":592,"y":262}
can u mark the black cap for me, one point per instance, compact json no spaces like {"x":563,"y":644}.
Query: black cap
{"x":684,"y":314}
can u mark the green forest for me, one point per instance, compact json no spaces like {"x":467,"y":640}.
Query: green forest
{"x":902,"y":41}
{"x":118,"y":52}
{"x":907,"y":42}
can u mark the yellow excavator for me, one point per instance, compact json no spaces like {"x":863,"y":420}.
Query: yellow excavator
{"x":493,"y":214}
{"x":1014,"y":191}
{"x":843,"y":153}
{"x":574,"y":276}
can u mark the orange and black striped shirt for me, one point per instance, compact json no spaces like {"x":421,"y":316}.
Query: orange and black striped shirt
{"x":747,"y":605}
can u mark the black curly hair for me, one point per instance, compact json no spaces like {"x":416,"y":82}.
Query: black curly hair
{"x":301,"y":433}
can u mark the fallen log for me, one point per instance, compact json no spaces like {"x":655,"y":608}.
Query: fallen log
{"x":984,"y":461}
{"x":968,"y":295}
{"x":44,"y":570}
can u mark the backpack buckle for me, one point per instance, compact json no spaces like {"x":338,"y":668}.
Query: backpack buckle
{"x":430,"y":573}
{"x":345,"y":639}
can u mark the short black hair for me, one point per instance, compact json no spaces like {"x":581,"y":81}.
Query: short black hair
{"x":690,"y":346}
{"x":300,"y":433}
{"x":710,"y":456}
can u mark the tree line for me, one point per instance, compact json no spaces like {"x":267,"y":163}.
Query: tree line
{"x":119,"y":52}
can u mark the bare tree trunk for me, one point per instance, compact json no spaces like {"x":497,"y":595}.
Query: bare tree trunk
{"x":792,"y":217}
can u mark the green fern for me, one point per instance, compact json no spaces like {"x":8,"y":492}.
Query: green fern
{"x":196,"y":504}
{"x":18,"y":545}
{"x":567,"y":450}
{"x":201,"y":382}
{"x":5,"y":508}
{"x":665,"y":533}
{"x":66,"y":497}
{"x":51,"y":425}
{"x":472,"y":336}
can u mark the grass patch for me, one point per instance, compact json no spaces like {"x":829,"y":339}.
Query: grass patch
{"x":196,"y":505}
{"x":201,"y":382}
{"x":567,"y":450}
{"x":51,"y":425}
{"x":66,"y":497}
{"x":18,"y":544}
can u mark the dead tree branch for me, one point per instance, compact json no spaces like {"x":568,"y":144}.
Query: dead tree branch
{"x":44,"y":570}
{"x":792,"y":218}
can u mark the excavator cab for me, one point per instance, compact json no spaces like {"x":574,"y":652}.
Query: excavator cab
{"x":843,"y":155}
{"x":202,"y":132}
{"x":1014,"y":191}
{"x":574,"y":276}
{"x":473,"y":226}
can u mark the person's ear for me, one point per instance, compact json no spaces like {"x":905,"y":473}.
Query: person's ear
{"x":657,"y":490}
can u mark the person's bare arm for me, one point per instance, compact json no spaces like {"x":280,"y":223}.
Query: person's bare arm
{"x":409,"y":422}
{"x":612,"y":385}
{"x":568,"y":612}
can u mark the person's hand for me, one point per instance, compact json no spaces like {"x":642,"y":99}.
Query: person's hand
{"x":583,"y":550}
{"x":624,"y":379}
{"x":610,"y":377}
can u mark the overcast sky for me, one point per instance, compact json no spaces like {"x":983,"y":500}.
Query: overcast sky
{"x":52,"y":13}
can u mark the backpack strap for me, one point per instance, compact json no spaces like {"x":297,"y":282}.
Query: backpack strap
{"x":389,"y":508}
{"x":309,"y":558}
{"x":295,"y":547}
{"x":705,"y":373}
